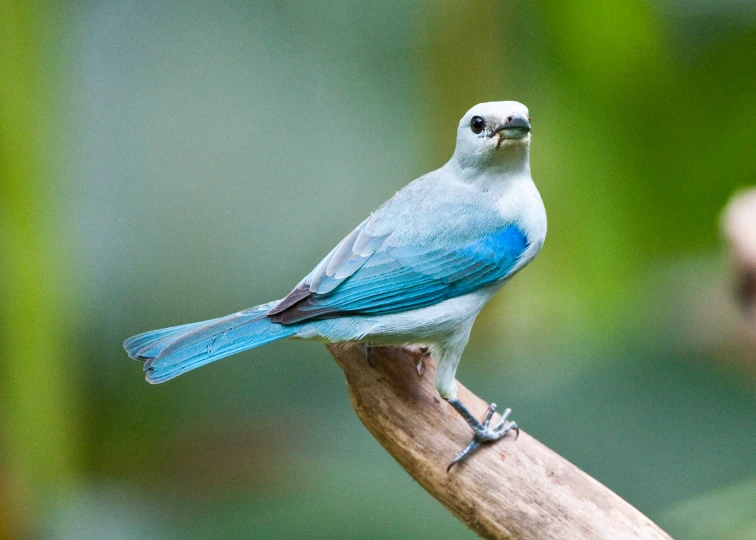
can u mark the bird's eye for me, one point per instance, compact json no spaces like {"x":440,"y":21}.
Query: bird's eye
{"x":477,"y":124}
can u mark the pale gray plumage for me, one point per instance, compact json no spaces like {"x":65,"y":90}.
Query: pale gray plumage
{"x":417,"y":271}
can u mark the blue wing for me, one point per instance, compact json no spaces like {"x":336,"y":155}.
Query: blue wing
{"x":367,"y":275}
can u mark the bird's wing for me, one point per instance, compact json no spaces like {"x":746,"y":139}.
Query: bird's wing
{"x":407,"y":257}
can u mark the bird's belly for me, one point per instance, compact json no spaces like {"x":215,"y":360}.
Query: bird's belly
{"x":424,"y":325}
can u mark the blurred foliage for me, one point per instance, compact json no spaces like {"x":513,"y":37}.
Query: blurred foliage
{"x":725,"y":514}
{"x":38,"y":405}
{"x":168,"y":162}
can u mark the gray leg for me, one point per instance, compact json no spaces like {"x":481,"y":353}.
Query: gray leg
{"x":482,"y":433}
{"x":369,"y":355}
{"x":425,"y":356}
{"x":447,"y":355}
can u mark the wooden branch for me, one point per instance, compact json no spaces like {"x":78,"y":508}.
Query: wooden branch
{"x":511,"y":489}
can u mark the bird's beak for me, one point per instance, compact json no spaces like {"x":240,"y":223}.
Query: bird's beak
{"x":515,"y":127}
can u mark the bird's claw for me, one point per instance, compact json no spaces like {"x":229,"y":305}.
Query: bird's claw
{"x":369,"y":355}
{"x":486,"y":434}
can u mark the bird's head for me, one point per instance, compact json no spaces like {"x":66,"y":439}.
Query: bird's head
{"x":497,"y":132}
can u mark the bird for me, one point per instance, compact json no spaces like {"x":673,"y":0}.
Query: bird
{"x":417,"y":271}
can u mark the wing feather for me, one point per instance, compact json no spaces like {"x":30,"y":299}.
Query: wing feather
{"x":399,"y":259}
{"x":401,"y":279}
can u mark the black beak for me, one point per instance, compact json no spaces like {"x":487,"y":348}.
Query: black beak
{"x":517,"y":126}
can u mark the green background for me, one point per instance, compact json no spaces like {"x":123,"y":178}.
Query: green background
{"x":165,"y":162}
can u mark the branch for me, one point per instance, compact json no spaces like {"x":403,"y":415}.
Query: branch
{"x":511,"y":489}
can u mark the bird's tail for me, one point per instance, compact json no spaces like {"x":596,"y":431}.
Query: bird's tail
{"x":169,"y":352}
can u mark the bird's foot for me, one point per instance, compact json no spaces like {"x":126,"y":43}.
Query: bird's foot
{"x":483,"y":432}
{"x":425,"y":355}
{"x":369,"y":355}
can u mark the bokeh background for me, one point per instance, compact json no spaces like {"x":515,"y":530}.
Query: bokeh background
{"x":165,"y":162}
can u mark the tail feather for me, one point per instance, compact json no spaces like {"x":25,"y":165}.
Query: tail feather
{"x":149,"y":344}
{"x":170,"y":352}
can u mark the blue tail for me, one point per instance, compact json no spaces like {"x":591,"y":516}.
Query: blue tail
{"x":169,"y":352}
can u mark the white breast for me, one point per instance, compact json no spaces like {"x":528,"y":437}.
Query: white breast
{"x":520,"y":203}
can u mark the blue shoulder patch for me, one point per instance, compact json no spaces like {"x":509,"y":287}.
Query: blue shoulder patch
{"x":411,"y":277}
{"x":504,"y":246}
{"x":499,"y":253}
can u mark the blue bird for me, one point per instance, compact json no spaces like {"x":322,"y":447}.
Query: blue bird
{"x":417,"y":271}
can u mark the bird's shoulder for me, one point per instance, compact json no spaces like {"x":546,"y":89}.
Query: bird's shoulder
{"x":438,"y":238}
{"x":434,"y":208}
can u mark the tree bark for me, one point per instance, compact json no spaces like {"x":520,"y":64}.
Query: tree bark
{"x":514,"y":489}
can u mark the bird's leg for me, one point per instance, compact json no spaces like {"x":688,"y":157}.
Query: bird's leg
{"x":424,"y":355}
{"x":369,"y":355}
{"x":448,"y":355}
{"x":482,"y":432}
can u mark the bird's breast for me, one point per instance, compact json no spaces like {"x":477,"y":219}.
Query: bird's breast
{"x":521,"y":204}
